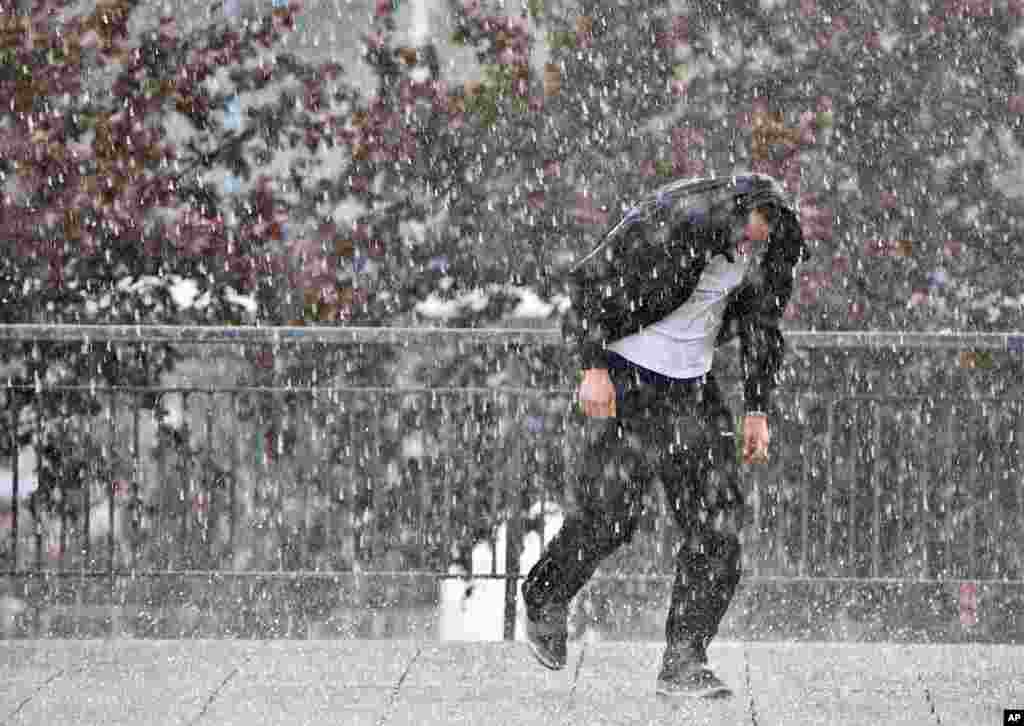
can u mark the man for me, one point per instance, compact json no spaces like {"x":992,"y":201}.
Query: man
{"x":694,"y":264}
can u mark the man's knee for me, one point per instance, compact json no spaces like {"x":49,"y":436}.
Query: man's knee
{"x":611,"y":530}
{"x":720,"y":551}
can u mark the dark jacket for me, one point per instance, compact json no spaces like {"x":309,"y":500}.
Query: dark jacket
{"x":649,"y":263}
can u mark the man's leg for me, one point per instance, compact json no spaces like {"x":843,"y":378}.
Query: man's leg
{"x":703,"y":489}
{"x":609,"y":496}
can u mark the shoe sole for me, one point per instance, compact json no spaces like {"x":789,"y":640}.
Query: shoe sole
{"x":542,"y":659}
{"x":694,"y":695}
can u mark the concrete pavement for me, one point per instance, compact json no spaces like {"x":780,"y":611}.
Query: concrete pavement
{"x":393,"y":683}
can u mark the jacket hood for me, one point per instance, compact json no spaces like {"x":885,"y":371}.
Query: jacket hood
{"x":721,"y":204}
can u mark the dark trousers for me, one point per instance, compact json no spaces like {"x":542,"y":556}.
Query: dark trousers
{"x":682,"y":433}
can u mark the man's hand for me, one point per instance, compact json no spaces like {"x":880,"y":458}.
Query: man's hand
{"x":755,"y":439}
{"x":597,"y":393}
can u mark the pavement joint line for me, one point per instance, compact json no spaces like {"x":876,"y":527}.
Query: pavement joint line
{"x":219,"y":689}
{"x":750,"y":687}
{"x":60,"y":672}
{"x":930,"y":701}
{"x":576,"y":673}
{"x":389,"y":706}
{"x":567,"y":705}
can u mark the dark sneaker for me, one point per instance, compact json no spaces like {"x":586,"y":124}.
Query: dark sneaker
{"x":547,"y":630}
{"x":692,"y":681}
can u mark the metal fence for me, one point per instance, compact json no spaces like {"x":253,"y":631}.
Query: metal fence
{"x":293,"y":481}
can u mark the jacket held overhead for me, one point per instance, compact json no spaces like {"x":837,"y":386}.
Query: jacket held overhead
{"x":650,"y":262}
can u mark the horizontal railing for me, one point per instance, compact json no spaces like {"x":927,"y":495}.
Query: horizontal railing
{"x":233,"y":335}
{"x":324,"y":481}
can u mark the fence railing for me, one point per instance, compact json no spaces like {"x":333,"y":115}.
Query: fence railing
{"x":229,"y":480}
{"x":233,"y":335}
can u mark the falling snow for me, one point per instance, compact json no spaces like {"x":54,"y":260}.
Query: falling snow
{"x":296,"y":301}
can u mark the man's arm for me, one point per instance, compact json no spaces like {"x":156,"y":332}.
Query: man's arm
{"x":755,"y":314}
{"x":640,"y":273}
{"x":761,"y":343}
{"x":597,"y":287}
{"x":582,"y":327}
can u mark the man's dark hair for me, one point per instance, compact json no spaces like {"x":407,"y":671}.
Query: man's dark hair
{"x":770,"y":212}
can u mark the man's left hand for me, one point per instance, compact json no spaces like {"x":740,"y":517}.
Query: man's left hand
{"x":755,"y":439}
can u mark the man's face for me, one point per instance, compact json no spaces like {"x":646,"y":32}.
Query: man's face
{"x":757,"y":228}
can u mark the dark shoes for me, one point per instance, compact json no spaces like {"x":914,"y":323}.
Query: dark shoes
{"x":547,"y":630}
{"x":686,"y":676}
{"x":684,"y":673}
{"x":700,"y":682}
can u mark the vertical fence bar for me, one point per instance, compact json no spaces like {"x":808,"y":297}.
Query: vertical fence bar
{"x":756,"y":490}
{"x":233,"y":481}
{"x":160,"y":517}
{"x":497,"y":484}
{"x":63,"y":545}
{"x":422,"y":469}
{"x":994,"y":530}
{"x":1019,"y":488}
{"x":329,"y":488}
{"x":208,"y":495}
{"x":1006,"y":532}
{"x":829,"y":480}
{"x":184,"y":487}
{"x":15,"y":484}
{"x":355,"y":514}
{"x":376,"y":436}
{"x":805,"y":500}
{"x":922,"y":520}
{"x":947,"y":544}
{"x":513,"y":531}
{"x":37,"y":524}
{"x":368,"y":444}
{"x":62,"y":485}
{"x":112,"y":484}
{"x":137,"y":482}
{"x":900,"y":495}
{"x":970,"y":510}
{"x":876,"y":511}
{"x":851,"y":541}
{"x":446,"y":508}
{"x":83,"y":544}
{"x":312,"y":478}
{"x":277,"y":467}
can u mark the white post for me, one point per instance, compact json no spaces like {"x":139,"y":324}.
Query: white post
{"x":420,"y":30}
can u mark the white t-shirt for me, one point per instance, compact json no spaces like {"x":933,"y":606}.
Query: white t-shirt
{"x":682,"y":344}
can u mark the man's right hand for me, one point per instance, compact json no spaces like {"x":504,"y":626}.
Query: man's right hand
{"x":596,"y":393}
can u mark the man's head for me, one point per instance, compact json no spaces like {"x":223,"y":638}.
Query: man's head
{"x":760,"y":223}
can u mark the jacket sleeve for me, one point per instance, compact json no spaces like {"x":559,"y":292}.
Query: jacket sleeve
{"x":636,"y":276}
{"x":597,"y":287}
{"x":755,"y":313}
{"x":582,"y":326}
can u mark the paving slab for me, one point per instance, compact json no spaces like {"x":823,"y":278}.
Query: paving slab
{"x":295,"y":703}
{"x":347,"y":663}
{"x":312,"y":683}
{"x":422,"y":707}
{"x":968,"y":683}
{"x":18,"y":687}
{"x":472,"y":670}
{"x":119,"y":682}
{"x":616,"y":685}
{"x":476,"y":683}
{"x":833,"y":683}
